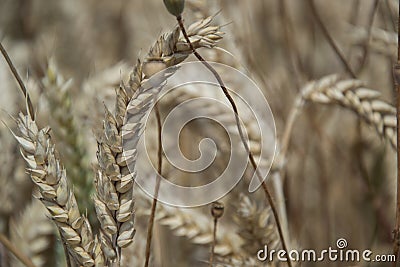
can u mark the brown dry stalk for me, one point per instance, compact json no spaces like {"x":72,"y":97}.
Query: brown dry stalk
{"x":18,"y":254}
{"x":240,"y":130}
{"x":330,"y":39}
{"x":217,"y":210}
{"x":397,"y":81}
{"x":157,"y":187}
{"x":369,"y":31}
{"x":213,"y":243}
{"x":19,"y":80}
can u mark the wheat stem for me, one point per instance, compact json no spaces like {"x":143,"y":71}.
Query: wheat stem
{"x":18,"y":254}
{"x":245,"y":144}
{"x":156,"y":189}
{"x":213,"y":242}
{"x":19,"y":80}
{"x":397,"y":80}
{"x":330,"y":39}
{"x":369,"y":31}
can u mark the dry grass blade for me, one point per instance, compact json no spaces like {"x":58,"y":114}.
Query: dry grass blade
{"x":353,"y":95}
{"x":50,"y":177}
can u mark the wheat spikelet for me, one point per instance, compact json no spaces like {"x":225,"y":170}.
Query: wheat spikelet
{"x":114,"y":181}
{"x":49,"y":176}
{"x":353,"y":95}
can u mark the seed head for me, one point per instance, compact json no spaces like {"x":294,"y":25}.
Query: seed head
{"x":217,"y":209}
{"x":175,"y":7}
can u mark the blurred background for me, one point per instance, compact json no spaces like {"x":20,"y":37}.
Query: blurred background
{"x":338,"y":180}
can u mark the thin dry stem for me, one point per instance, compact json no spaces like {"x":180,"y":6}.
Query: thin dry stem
{"x":330,"y":39}
{"x":240,"y":130}
{"x":212,"y":252}
{"x":369,"y":30}
{"x":18,"y":254}
{"x":19,"y":80}
{"x":397,"y":81}
{"x":156,"y":189}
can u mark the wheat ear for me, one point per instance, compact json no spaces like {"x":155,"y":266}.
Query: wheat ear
{"x":49,"y":176}
{"x":114,"y":181}
{"x":66,"y":132}
{"x":352,"y":94}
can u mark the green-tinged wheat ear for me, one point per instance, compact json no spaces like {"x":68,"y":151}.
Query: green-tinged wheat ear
{"x":66,"y":132}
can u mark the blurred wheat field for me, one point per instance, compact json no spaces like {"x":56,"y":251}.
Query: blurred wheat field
{"x":334,"y":171}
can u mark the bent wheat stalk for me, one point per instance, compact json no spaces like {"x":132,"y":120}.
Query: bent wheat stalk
{"x":156,"y":189}
{"x":18,"y":254}
{"x":240,"y":130}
